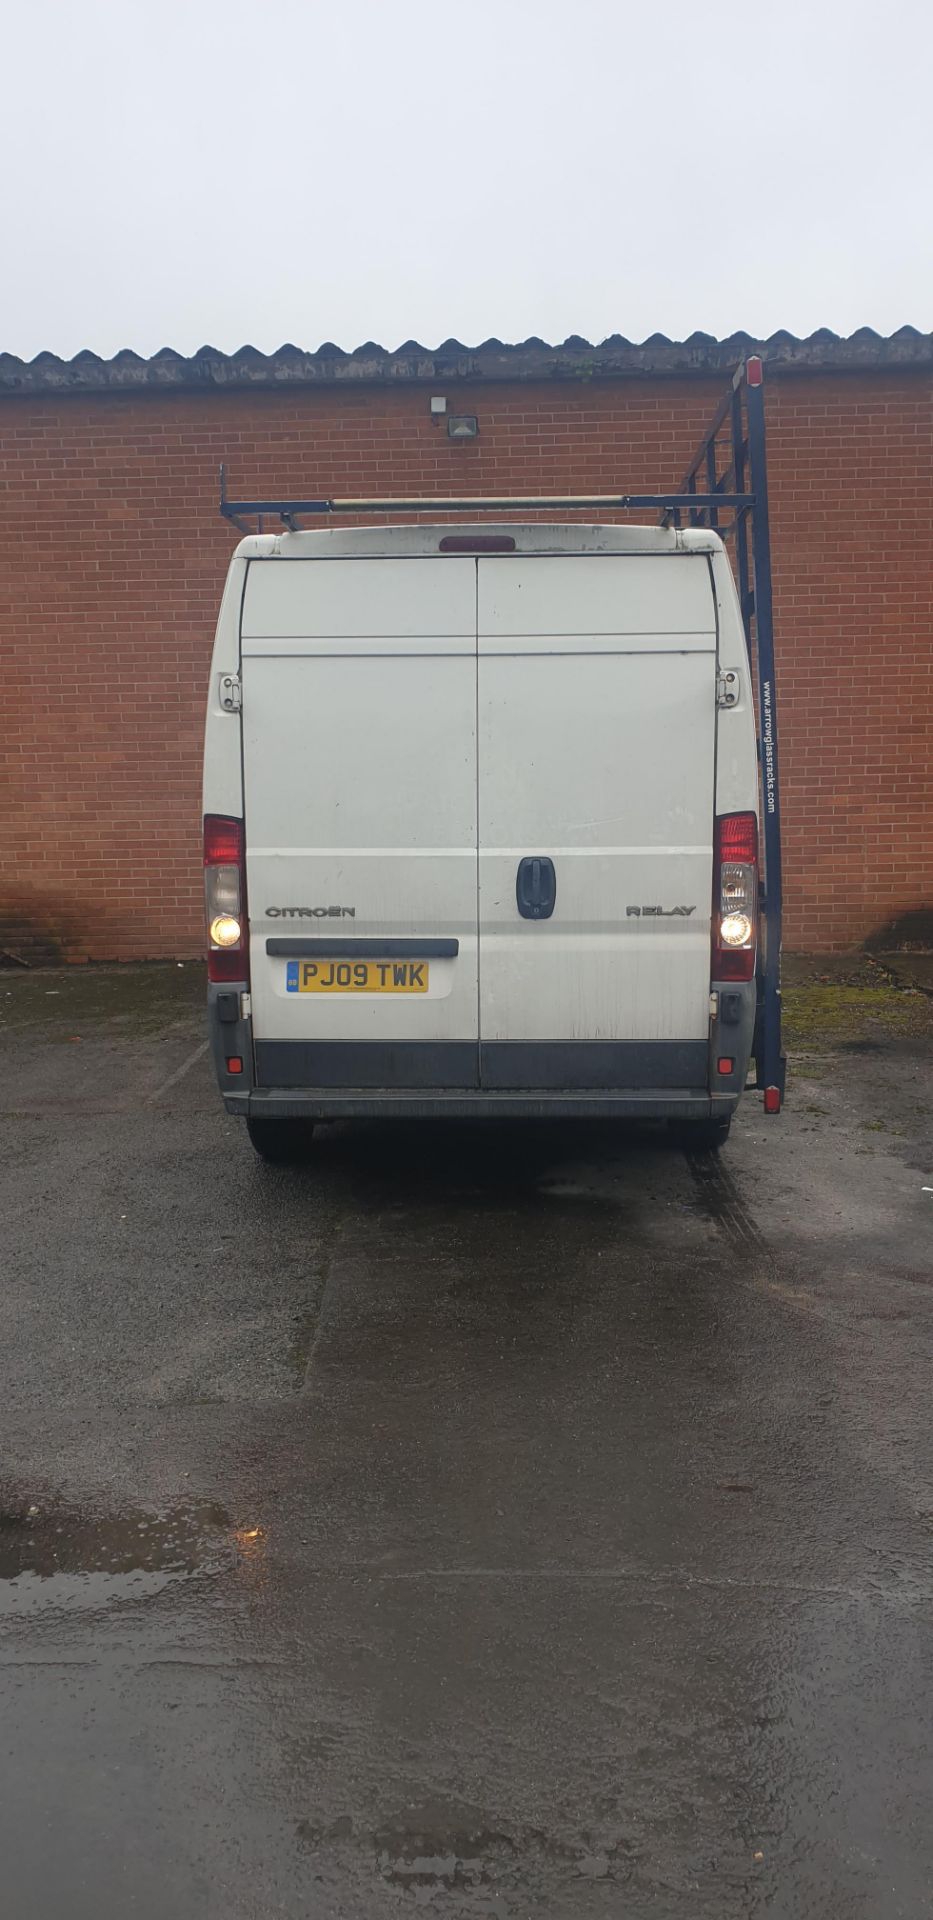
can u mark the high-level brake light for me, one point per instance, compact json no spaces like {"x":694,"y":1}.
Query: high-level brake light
{"x":225,"y":898}
{"x":735,"y":897}
{"x":477,"y":543}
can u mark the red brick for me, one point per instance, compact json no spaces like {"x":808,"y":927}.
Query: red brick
{"x":113,"y":560}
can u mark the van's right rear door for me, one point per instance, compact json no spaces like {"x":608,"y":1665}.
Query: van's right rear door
{"x":596,"y":754}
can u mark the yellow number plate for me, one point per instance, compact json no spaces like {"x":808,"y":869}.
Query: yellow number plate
{"x":357,"y":976}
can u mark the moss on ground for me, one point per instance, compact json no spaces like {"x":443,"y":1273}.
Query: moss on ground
{"x":819,"y":1016}
{"x":144,"y":999}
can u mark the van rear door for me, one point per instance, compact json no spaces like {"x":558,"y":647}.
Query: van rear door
{"x":597,"y":711}
{"x":359,"y":741}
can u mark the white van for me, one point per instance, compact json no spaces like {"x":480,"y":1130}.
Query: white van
{"x":481,"y":827}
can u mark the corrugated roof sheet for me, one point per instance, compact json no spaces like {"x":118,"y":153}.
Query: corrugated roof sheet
{"x":572,"y":359}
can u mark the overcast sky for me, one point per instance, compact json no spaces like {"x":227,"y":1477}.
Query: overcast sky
{"x":190,"y":172}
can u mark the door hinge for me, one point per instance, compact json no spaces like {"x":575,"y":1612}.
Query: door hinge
{"x":728,"y":688}
{"x":231,"y":693}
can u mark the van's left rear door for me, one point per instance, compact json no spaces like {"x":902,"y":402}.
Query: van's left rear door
{"x":359,"y":742}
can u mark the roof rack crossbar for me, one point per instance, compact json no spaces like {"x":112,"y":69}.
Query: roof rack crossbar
{"x":291,"y":511}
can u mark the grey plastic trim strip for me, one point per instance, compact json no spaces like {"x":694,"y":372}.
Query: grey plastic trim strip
{"x":375,"y":1064}
{"x":523,"y":1066}
{"x":588,"y":1065}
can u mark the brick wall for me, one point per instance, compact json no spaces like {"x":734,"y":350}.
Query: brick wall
{"x":113,"y":558}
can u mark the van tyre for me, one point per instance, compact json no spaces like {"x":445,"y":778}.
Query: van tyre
{"x":284,"y":1143}
{"x":708,"y":1135}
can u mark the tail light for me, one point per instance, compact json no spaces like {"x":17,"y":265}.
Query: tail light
{"x":225,"y":898}
{"x":735,"y":897}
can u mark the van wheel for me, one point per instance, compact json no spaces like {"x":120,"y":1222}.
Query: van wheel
{"x":282,"y":1142}
{"x":707,"y":1135}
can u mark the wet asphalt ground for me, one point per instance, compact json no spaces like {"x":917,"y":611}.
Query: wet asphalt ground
{"x":491,"y":1521}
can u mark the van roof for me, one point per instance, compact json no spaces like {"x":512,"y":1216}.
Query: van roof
{"x":386,"y":542}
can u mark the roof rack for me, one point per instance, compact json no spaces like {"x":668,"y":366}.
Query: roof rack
{"x":708,"y":490}
{"x":290,"y":512}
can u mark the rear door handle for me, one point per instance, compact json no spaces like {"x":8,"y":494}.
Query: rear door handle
{"x":536,"y":887}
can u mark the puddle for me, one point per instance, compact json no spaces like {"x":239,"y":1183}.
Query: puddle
{"x":57,"y":1556}
{"x":428,"y":1852}
{"x":438,"y":1848}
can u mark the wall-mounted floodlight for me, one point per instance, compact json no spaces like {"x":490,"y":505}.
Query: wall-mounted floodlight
{"x":462,"y":426}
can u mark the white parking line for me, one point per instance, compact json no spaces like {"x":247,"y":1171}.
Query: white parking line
{"x":178,"y":1074}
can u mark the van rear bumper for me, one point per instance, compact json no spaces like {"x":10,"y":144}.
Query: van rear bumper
{"x":629,"y":1079}
{"x":607,"y":1103}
